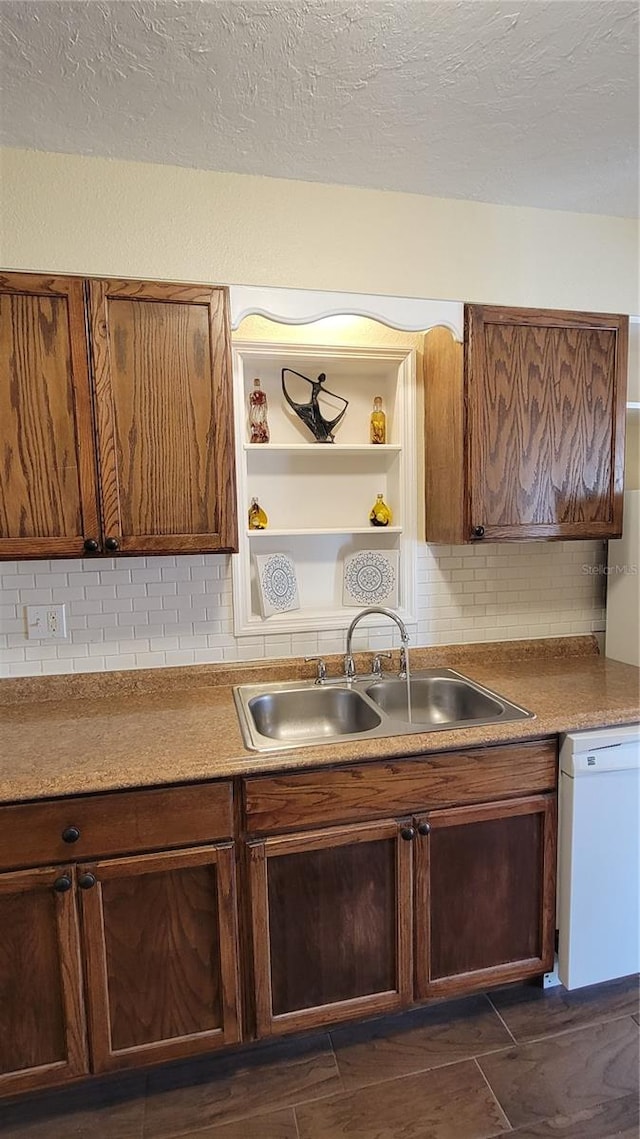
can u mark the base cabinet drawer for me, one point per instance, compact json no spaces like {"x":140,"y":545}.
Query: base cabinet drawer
{"x":60,"y":830}
{"x":364,"y":791}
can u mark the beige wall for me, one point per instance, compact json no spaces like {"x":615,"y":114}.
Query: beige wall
{"x":98,"y":216}
{"x":83,"y":215}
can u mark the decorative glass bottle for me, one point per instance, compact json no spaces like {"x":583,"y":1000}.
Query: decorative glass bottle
{"x":258,"y":424}
{"x":378,"y":432}
{"x":257,"y":518}
{"x":380,"y":513}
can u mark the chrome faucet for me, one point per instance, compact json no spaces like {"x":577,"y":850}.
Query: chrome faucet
{"x":349,"y":663}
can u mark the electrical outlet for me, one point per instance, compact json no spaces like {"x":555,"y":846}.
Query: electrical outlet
{"x":46,"y":622}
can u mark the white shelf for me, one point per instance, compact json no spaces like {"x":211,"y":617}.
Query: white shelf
{"x":296,"y":488}
{"x":317,"y":448}
{"x":373,"y":531}
{"x":633,"y":405}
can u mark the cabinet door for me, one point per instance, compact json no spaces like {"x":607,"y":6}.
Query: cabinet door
{"x":331,"y":915}
{"x":48,"y":497}
{"x":42,"y":1029}
{"x":160,"y":944}
{"x":546,"y":408}
{"x":485,"y":895}
{"x":162,"y":374}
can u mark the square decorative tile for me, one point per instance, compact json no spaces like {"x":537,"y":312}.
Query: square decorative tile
{"x":277,"y":583}
{"x":371,"y":578}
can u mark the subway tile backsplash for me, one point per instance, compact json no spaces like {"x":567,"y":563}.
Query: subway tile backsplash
{"x":151,"y":612}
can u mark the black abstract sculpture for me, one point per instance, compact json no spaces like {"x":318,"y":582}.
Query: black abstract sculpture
{"x":310,"y":413}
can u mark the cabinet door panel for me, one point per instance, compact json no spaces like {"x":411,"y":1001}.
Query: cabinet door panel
{"x":160,"y":938}
{"x":163,"y":390}
{"x":484,"y":895}
{"x":331,"y":925}
{"x":546,"y":422}
{"x":42,"y":1031}
{"x":48,"y":498}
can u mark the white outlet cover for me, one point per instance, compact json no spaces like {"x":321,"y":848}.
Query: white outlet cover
{"x":46,"y":622}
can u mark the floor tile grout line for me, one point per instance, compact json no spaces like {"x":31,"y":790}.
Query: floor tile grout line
{"x":432,"y":1068}
{"x":571,"y":1028}
{"x":335,"y":1060}
{"x":273,"y":1107}
{"x":394,"y":1079}
{"x":494,"y":1096}
{"x":501,"y":1018}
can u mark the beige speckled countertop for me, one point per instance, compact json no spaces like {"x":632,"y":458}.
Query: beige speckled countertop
{"x":76,"y":735}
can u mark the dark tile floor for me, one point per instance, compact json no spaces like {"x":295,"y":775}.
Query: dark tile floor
{"x":518,"y":1061}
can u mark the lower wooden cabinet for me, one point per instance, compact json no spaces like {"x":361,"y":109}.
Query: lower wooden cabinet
{"x":485,"y":895}
{"x":42,"y":1022}
{"x":119,"y":957}
{"x":331,"y":915}
{"x":159,"y":937}
{"x":365,"y":919}
{"x":153,"y":937}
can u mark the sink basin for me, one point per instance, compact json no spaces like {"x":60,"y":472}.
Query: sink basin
{"x":275,"y":717}
{"x":435,"y":700}
{"x":300,"y":714}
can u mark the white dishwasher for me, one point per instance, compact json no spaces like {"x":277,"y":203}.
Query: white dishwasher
{"x":598,"y":908}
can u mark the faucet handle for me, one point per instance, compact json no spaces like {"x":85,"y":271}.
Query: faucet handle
{"x":321,"y":673}
{"x":376,"y":667}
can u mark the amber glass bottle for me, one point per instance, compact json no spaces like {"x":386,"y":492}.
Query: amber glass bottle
{"x":257,"y":518}
{"x":378,"y":432}
{"x":380,"y":513}
{"x":258,"y":423}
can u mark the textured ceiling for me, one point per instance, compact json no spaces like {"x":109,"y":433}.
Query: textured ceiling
{"x":530,"y":102}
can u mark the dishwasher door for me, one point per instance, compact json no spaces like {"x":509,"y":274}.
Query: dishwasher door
{"x":599,"y":856}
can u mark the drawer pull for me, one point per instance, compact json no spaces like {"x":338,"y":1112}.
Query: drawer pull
{"x":70,"y":834}
{"x":87,"y":881}
{"x":62,"y":884}
{"x":91,"y":546}
{"x":407,"y":833}
{"x":424,"y":828}
{"x":112,"y":544}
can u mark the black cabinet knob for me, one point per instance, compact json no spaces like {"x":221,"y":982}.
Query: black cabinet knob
{"x":477,"y":531}
{"x":424,"y":828}
{"x":407,"y":833}
{"x":87,"y":881}
{"x":70,"y":834}
{"x":62,"y":884}
{"x":111,"y":544}
{"x":91,"y":546}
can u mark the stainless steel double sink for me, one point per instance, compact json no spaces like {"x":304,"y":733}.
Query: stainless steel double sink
{"x":276,"y":717}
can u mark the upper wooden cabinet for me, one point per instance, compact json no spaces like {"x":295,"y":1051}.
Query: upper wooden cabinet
{"x":48,"y":488}
{"x":161,"y":365}
{"x":155,"y":359}
{"x":524,"y":426}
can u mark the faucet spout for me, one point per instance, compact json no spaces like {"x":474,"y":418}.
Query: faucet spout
{"x":374,"y":609}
